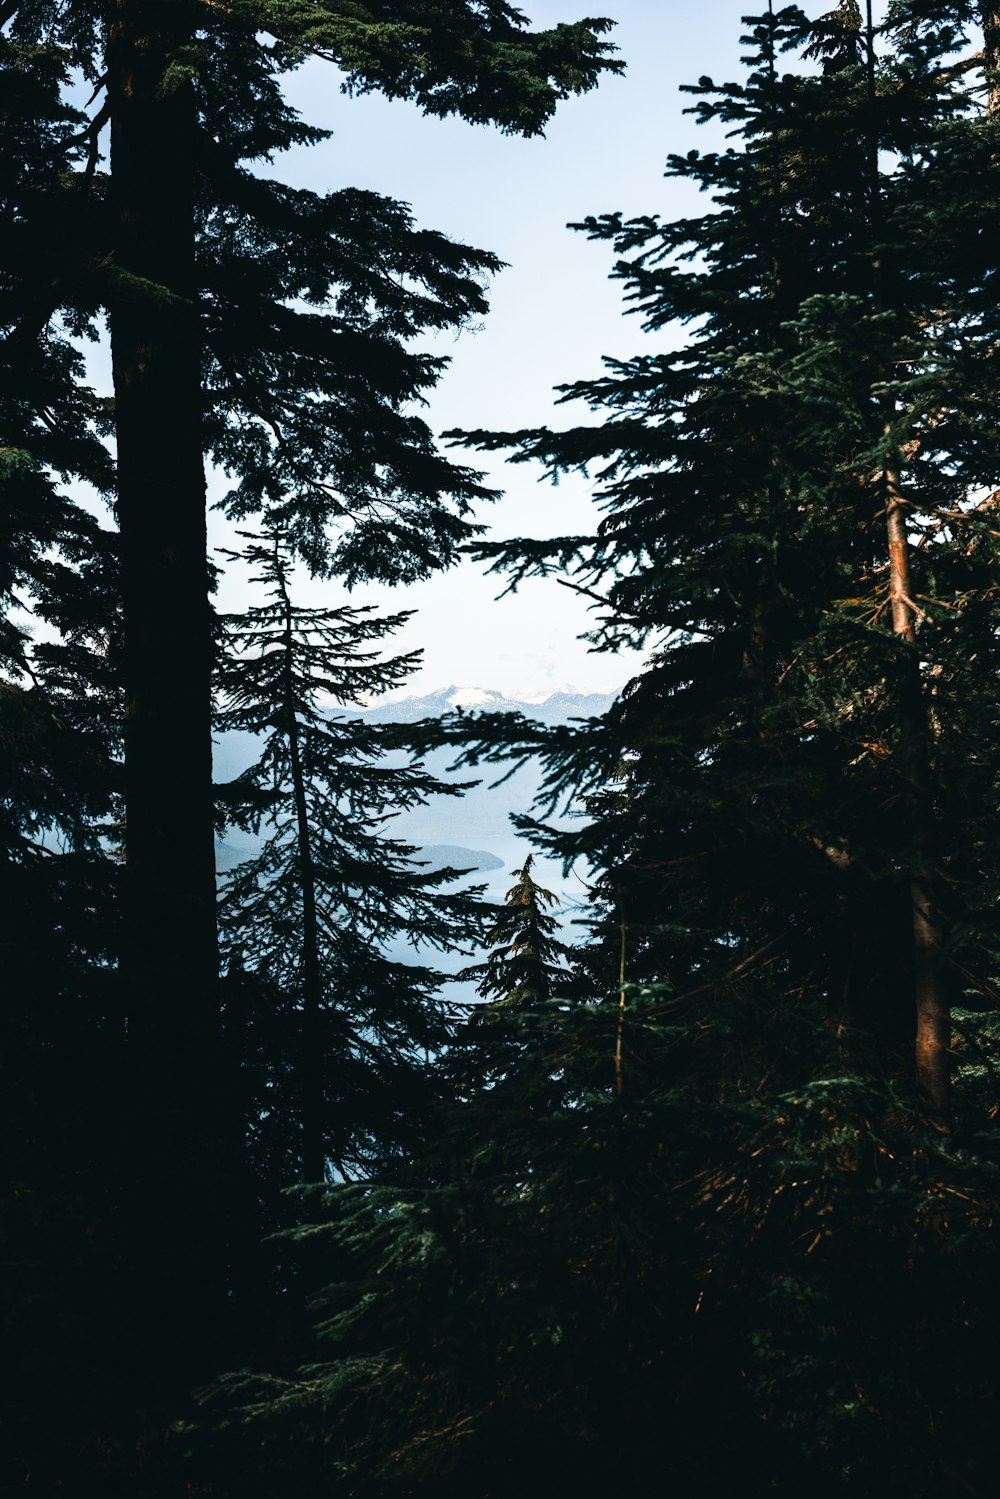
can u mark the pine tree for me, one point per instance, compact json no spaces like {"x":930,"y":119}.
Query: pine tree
{"x":524,"y":966}
{"x":343,"y":1030}
{"x":190,"y":93}
{"x":60,"y":806}
{"x":269,"y":331}
{"x":792,"y":538}
{"x":796,"y":842}
{"x":497,"y":1285}
{"x":784,"y":1217}
{"x":198,"y":264}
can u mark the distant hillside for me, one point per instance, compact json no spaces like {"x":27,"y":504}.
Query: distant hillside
{"x":468,"y":832}
{"x":233,"y":752}
{"x":481,"y":818}
{"x":450,"y":856}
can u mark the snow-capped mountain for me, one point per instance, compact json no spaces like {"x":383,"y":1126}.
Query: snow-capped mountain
{"x":480,"y":818}
{"x":473,"y":831}
{"x":553,"y":707}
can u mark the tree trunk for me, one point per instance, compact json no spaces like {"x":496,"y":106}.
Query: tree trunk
{"x":310,"y":1061}
{"x":169,"y":953}
{"x":933,"y":1014}
{"x":989,"y":14}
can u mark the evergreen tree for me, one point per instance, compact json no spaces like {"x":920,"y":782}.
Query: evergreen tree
{"x":490,"y":1287}
{"x":767,"y":1209}
{"x":192,"y":92}
{"x":524,"y":966}
{"x":269,"y":330}
{"x":343,"y":1030}
{"x":797,"y":844}
{"x":59,"y":804}
{"x":827,"y":358}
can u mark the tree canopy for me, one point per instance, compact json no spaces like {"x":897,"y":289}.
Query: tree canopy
{"x":700,"y":1192}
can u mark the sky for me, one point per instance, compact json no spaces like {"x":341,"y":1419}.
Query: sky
{"x":554,"y":313}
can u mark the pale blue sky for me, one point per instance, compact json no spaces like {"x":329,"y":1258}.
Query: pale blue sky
{"x":553,"y":312}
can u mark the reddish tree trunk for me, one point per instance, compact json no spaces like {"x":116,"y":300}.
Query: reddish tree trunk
{"x":933,"y":1014}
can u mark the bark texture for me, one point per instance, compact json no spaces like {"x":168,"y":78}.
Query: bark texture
{"x":933,"y":1013}
{"x":932,"y":1065}
{"x":170,"y":951}
{"x":989,"y":14}
{"x":169,"y":956}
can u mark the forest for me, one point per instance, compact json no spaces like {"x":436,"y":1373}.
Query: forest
{"x":697,"y":1195}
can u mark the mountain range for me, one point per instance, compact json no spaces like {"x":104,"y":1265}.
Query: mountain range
{"x":473,"y":831}
{"x":553,"y":707}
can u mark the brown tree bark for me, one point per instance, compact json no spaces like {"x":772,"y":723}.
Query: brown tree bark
{"x":932,"y":1067}
{"x":169,"y":954}
{"x":933,"y":1012}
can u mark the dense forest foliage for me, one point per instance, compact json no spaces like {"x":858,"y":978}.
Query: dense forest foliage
{"x":701,"y":1198}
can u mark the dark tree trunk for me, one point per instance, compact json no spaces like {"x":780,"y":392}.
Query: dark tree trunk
{"x":310,"y":1061}
{"x":169,"y":957}
{"x":989,"y":14}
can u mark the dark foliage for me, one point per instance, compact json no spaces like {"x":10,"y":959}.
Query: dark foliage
{"x":273,"y":332}
{"x":698,"y":1222}
{"x":341,"y":1032}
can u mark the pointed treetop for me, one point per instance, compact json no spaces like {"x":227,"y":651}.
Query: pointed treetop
{"x":527,"y":955}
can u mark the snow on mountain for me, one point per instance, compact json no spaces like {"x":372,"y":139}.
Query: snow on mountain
{"x":473,"y":697}
{"x":552,"y":707}
{"x":472,"y":831}
{"x":480,"y":818}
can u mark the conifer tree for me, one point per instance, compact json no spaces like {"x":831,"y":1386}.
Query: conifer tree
{"x":270,"y":331}
{"x":60,"y":747}
{"x":202,"y":270}
{"x":498,"y":1284}
{"x":59,"y":620}
{"x":793,"y":502}
{"x":310,"y":916}
{"x":525,"y":962}
{"x":191,"y":92}
{"x":802,"y":767}
{"x":795,"y":551}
